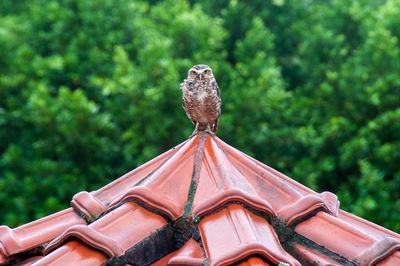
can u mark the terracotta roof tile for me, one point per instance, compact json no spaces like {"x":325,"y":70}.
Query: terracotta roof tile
{"x":235,"y":233}
{"x":394,"y":259}
{"x":380,"y":250}
{"x":89,"y":236}
{"x":158,"y":190}
{"x":190,"y":254}
{"x":366,"y":226}
{"x":254,"y":260}
{"x":202,"y":202}
{"x":290,"y":202}
{"x":346,"y":240}
{"x":312,"y":257}
{"x":35,"y":234}
{"x":74,"y":252}
{"x":115,"y":232}
{"x":88,"y":205}
{"x":221,"y":182}
{"x":113,"y":190}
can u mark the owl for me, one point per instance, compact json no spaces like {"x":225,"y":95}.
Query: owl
{"x":201,"y":99}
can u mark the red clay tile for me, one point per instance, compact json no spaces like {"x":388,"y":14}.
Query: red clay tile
{"x":74,"y":252}
{"x":115,"y":232}
{"x":86,"y":204}
{"x":34,"y":234}
{"x":128,"y":224}
{"x":221,"y":182}
{"x":223,"y":189}
{"x":289,"y":199}
{"x":346,"y":240}
{"x":118,"y":187}
{"x":190,"y":254}
{"x":301,"y":208}
{"x":151,"y":199}
{"x":160,"y":188}
{"x":235,"y":233}
{"x":380,"y":250}
{"x":312,"y":257}
{"x":253,"y":261}
{"x":366,"y":226}
{"x":89,"y":236}
{"x":392,"y":260}
{"x":91,"y":205}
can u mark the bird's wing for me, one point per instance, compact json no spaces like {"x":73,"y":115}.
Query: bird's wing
{"x":217,"y":88}
{"x":184,"y":87}
{"x":184,"y":106}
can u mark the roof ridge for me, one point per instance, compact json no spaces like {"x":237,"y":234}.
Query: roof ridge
{"x":238,"y":209}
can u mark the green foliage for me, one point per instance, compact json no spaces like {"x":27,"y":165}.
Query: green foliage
{"x":90,"y":90}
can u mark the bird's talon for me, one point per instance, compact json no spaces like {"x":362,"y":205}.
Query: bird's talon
{"x":210,"y":132}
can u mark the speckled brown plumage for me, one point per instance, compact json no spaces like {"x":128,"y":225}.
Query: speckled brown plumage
{"x":201,"y":99}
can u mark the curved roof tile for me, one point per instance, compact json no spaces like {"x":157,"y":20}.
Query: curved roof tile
{"x":202,"y":202}
{"x":89,"y":236}
{"x":74,"y":252}
{"x":35,"y":234}
{"x":353,"y":243}
{"x":312,"y":257}
{"x":393,"y":259}
{"x":235,"y":233}
{"x":254,"y":260}
{"x":88,"y":206}
{"x":190,"y":254}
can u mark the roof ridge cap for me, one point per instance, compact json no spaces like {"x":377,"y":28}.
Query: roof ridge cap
{"x":87,"y":205}
{"x":232,"y":195}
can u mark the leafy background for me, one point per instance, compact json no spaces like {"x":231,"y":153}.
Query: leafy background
{"x":90,"y":89}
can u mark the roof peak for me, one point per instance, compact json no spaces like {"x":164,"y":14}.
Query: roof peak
{"x":205,"y":191}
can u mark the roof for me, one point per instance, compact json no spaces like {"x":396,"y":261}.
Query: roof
{"x":201,"y":203}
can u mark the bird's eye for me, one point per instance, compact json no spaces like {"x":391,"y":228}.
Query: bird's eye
{"x":205,"y":71}
{"x":193,"y":72}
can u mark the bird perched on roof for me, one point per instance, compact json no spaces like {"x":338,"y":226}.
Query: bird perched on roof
{"x":201,"y":99}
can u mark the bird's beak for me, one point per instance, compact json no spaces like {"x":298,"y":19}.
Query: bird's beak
{"x":201,"y":76}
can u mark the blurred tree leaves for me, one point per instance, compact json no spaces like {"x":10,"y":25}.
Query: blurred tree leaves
{"x":90,"y":90}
